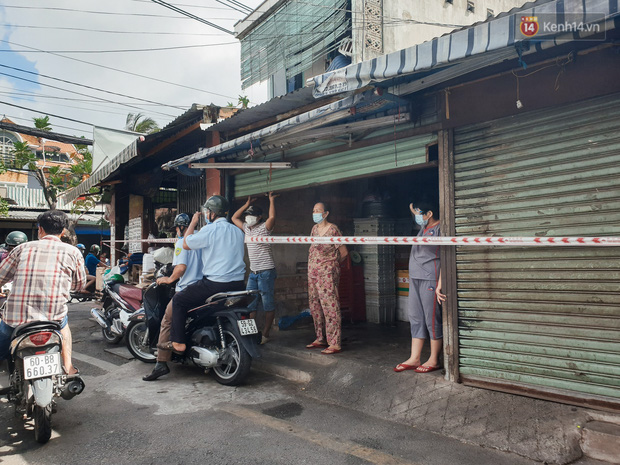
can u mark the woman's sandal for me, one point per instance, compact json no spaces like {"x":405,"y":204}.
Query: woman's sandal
{"x":316,"y":345}
{"x":330,"y":351}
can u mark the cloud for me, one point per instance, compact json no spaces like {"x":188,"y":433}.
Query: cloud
{"x":207,"y":69}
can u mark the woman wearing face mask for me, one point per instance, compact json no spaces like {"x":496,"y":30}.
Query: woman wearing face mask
{"x":323,"y":277}
{"x":262,"y":267}
{"x":425,"y":294}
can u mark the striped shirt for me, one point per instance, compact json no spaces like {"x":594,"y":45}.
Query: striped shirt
{"x":43,"y":273}
{"x":261,"y":256}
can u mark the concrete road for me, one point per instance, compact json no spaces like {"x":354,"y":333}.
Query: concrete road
{"x":187,"y":418}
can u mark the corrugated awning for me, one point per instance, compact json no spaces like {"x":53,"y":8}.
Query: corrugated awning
{"x":320,"y":116}
{"x":477,"y":40}
{"x":100,"y":175}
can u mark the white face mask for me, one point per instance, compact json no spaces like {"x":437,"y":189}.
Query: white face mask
{"x":251,"y":220}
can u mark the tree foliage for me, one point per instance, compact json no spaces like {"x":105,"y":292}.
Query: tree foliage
{"x":138,"y":122}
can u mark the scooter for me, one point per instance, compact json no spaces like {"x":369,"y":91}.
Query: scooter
{"x":36,"y":375}
{"x":119,"y":302}
{"x":220,"y":334}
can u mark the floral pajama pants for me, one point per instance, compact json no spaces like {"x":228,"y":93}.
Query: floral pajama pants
{"x":325,"y":305}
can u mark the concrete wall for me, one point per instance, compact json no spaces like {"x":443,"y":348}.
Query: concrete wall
{"x":400,"y":30}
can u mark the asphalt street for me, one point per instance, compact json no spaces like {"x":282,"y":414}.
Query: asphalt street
{"x":187,"y":417}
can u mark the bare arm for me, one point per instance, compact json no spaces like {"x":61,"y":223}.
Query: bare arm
{"x":271,"y":221}
{"x":440,"y":297}
{"x":236,"y":218}
{"x":190,"y":229}
{"x":177,"y":273}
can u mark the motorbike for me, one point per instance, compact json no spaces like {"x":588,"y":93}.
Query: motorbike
{"x":221,"y":337}
{"x":36,"y":376}
{"x":119,"y":302}
{"x":81,"y":296}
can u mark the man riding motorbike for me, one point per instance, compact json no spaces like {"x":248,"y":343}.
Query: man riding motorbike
{"x":43,"y":274}
{"x":187,"y":270}
{"x":12,"y":240}
{"x":221,"y":247}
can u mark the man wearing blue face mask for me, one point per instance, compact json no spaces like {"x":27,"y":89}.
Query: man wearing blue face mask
{"x":425,"y":297}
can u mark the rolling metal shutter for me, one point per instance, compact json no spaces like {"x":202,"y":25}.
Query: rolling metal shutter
{"x":367,"y":161}
{"x":541,"y":321}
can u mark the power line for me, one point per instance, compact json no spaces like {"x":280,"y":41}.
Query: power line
{"x":121,"y":71}
{"x":124,"y":50}
{"x":88,"y":87}
{"x":108,"y":31}
{"x":78,"y":93}
{"x":12,"y":117}
{"x":48,"y":114}
{"x":190,"y":15}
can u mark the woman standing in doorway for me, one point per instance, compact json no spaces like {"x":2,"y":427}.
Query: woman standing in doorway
{"x":425,"y":295}
{"x":323,"y":277}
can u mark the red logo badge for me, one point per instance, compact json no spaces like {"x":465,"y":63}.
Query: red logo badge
{"x":529,"y":26}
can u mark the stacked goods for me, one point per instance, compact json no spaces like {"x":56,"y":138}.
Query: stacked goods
{"x":379,"y":278}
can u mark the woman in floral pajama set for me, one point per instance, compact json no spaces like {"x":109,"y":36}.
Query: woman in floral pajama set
{"x":323,"y":277}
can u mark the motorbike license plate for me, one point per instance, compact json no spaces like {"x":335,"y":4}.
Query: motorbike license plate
{"x":247,"y":327}
{"x":38,"y":366}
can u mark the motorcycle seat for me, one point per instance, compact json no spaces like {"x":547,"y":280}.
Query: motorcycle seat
{"x":35,"y":326}
{"x":127,"y":291}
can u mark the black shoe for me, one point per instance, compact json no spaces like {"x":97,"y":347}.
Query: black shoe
{"x":160,"y":369}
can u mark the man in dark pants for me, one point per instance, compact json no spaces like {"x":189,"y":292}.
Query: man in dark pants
{"x":220,"y":244}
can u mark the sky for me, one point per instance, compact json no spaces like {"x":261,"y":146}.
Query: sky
{"x":56,"y":58}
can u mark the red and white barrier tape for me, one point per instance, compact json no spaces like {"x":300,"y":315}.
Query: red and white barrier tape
{"x":442,"y":240}
{"x":167,"y":240}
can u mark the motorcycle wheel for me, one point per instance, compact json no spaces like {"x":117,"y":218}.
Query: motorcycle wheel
{"x":237,"y":361}
{"x":108,"y":335}
{"x":136,"y":334}
{"x":42,"y":423}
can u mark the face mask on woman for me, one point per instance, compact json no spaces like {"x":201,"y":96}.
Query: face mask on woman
{"x":419,"y":219}
{"x":317,"y":217}
{"x":251,"y":220}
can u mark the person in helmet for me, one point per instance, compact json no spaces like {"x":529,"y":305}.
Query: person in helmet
{"x":187,"y":270}
{"x":220,"y":246}
{"x":262,"y":266}
{"x":92,"y":262}
{"x":12,"y":240}
{"x":82,"y":249}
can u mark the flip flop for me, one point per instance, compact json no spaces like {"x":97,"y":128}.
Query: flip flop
{"x":425,"y":369}
{"x":403,"y":367}
{"x":329,"y":351}
{"x":316,"y":345}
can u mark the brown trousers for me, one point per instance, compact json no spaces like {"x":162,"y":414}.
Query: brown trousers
{"x":164,"y":335}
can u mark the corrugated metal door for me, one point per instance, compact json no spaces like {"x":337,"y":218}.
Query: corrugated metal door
{"x":368,"y":161}
{"x":541,"y":321}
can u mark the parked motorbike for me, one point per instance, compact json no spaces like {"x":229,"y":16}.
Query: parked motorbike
{"x":119,"y":302}
{"x":220,"y":334}
{"x":81,"y":296}
{"x":36,"y":375}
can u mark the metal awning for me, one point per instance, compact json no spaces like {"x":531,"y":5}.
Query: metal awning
{"x":319,"y":117}
{"x":100,"y":175}
{"x":481,"y":39}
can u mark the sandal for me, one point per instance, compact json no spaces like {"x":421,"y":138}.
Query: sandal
{"x":316,"y":345}
{"x":403,"y":366}
{"x":330,"y":351}
{"x":168,"y":346}
{"x":426,"y":369}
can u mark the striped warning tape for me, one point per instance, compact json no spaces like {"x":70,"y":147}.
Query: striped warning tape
{"x":444,"y":240}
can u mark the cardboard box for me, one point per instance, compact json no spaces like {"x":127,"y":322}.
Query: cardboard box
{"x":99,"y":276}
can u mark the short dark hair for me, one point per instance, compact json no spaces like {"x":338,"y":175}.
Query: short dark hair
{"x":325,"y":206}
{"x":53,"y":221}
{"x":427,"y":204}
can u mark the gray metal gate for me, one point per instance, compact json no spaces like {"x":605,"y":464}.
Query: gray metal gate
{"x":541,"y":321}
{"x":192,"y":193}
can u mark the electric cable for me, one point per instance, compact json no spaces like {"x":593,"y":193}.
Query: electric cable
{"x":88,"y":87}
{"x":122,"y":50}
{"x":122,"y":71}
{"x":48,"y":114}
{"x":190,"y":15}
{"x":79,"y":93}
